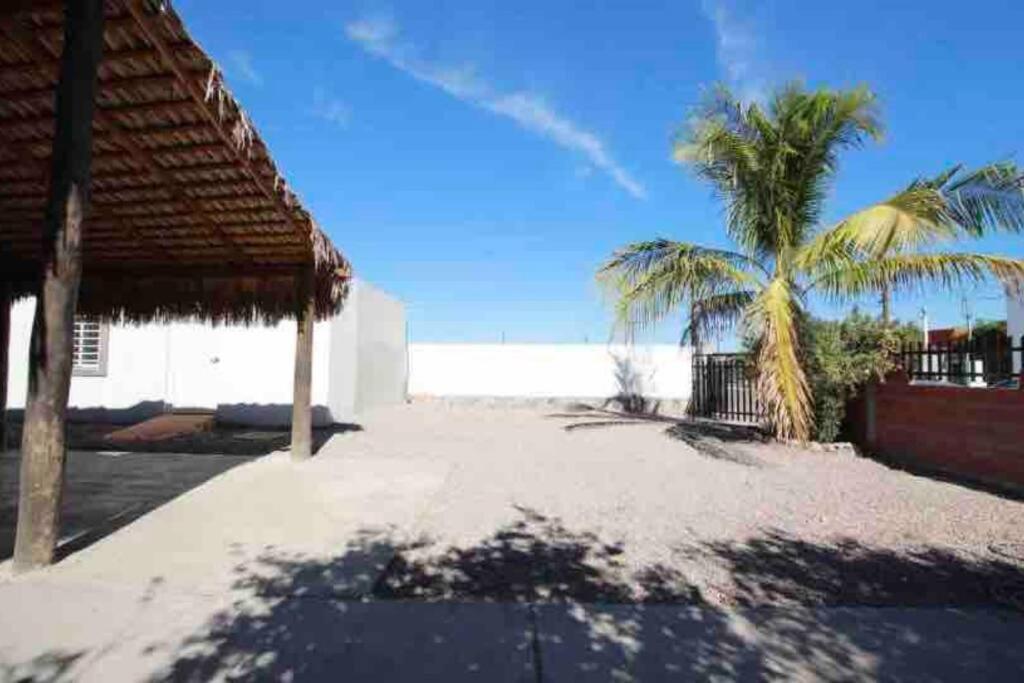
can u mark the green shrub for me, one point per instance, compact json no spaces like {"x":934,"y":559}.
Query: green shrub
{"x":839,"y":356}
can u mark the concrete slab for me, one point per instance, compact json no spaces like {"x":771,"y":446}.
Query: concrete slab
{"x":107,"y":634}
{"x":659,"y":643}
{"x":403,"y":641}
{"x":48,"y":629}
{"x":106,"y":491}
{"x":326,"y":527}
{"x":63,"y":631}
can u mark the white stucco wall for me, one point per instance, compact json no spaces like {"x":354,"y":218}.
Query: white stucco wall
{"x":344,"y":359}
{"x":368,"y":354}
{"x":135,"y":383}
{"x":1015,"y":322}
{"x":381,"y":371}
{"x":245,"y":373}
{"x":548,"y":370}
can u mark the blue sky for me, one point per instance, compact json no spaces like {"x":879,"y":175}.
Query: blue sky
{"x":479,"y":159}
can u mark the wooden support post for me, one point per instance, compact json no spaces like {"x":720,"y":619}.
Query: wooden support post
{"x":302,"y":412}
{"x":43,"y":440}
{"x":5,"y":345}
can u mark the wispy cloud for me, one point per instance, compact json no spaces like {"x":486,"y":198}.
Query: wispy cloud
{"x":380,"y":38}
{"x":241,"y":65}
{"x":330,"y":108}
{"x":737,"y":49}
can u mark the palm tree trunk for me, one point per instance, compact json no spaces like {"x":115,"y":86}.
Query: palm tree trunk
{"x":695,"y":338}
{"x":43,"y":441}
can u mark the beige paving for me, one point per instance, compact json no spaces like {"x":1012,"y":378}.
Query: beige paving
{"x":108,"y":489}
{"x":266,"y":510}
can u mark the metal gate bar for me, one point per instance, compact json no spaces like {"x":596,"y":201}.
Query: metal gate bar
{"x":724,"y":389}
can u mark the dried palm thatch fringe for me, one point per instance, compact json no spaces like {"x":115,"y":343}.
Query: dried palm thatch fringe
{"x":233,"y":300}
{"x":190,"y":218}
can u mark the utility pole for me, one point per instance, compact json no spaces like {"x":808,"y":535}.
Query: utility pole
{"x":965,"y":307}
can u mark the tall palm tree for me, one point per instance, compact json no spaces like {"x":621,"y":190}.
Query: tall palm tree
{"x":772,"y":167}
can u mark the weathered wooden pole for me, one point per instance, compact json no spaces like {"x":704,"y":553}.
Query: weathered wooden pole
{"x":302,"y":411}
{"x":42,"y":442}
{"x":5,"y":345}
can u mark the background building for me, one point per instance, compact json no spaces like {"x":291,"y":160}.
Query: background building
{"x":1015,"y":322}
{"x":124,"y":373}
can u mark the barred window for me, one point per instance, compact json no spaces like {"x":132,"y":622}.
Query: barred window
{"x":89,"y":354}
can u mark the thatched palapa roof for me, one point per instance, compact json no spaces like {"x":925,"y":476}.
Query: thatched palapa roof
{"x":190,"y":217}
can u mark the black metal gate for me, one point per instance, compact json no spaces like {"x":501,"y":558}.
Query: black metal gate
{"x":724,"y":388}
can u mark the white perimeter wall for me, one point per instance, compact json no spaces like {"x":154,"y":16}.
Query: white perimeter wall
{"x":245,"y":373}
{"x":549,"y":370}
{"x":1015,"y":323}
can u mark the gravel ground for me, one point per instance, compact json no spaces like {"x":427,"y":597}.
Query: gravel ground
{"x":442,"y":501}
{"x":544,"y":503}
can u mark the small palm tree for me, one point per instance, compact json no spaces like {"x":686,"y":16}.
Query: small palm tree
{"x":772,"y":167}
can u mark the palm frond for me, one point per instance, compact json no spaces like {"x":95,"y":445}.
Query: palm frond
{"x":719,"y":144}
{"x":905,"y":271}
{"x":914,"y":217}
{"x":825,"y":122}
{"x":951,"y":205}
{"x":781,"y":381}
{"x":837,"y":118}
{"x":652,"y":279}
{"x":772,"y":166}
{"x":717,"y":314}
{"x":985,"y":199}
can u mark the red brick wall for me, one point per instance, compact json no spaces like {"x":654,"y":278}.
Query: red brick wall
{"x":976,"y":434}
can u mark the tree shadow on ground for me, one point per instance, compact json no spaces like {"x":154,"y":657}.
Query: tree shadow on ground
{"x":535,"y":559}
{"x":777,"y":569}
{"x":538,"y":601}
{"x":49,"y":666}
{"x":630,"y":396}
{"x":727,"y":442}
{"x":720,"y":441}
{"x":587,"y":415}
